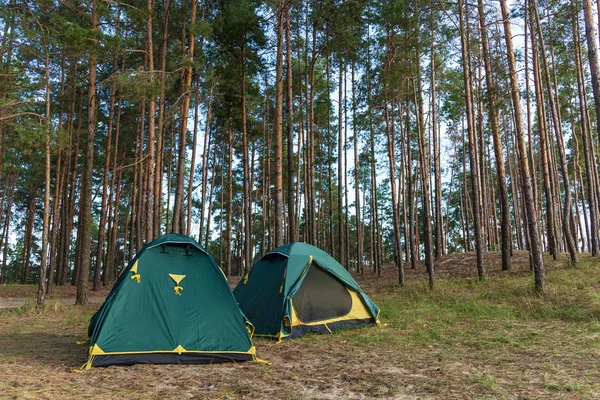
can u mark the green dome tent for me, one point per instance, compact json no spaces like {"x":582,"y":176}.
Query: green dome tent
{"x":171,"y":305}
{"x":298,"y":288}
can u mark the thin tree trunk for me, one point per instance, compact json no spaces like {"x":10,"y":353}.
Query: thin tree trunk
{"x":439,"y":222}
{"x":6,"y":227}
{"x":190,"y":189}
{"x":568,"y":223}
{"x":46,"y":218}
{"x":114,"y":206}
{"x":347,"y":261}
{"x":590,"y":34}
{"x":186,"y":87}
{"x":411,"y":195}
{"x":28,"y":235}
{"x":541,"y":116}
{"x":107,"y":159}
{"x":492,"y":89}
{"x":389,"y":129}
{"x":279,"y":210}
{"x":227,"y":262}
{"x":359,"y":225}
{"x":210,"y":196}
{"x":340,"y":204}
{"x":475,"y":181}
{"x":424,"y":163}
{"x":246,"y":198}
{"x":330,"y":225}
{"x":292,"y":237}
{"x":150,"y":160}
{"x":534,"y":236}
{"x":158,"y":173}
{"x":205,"y":156}
{"x":86,"y":212}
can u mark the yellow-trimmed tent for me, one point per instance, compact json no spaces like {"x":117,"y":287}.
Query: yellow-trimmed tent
{"x":298,"y":288}
{"x":171,"y":305}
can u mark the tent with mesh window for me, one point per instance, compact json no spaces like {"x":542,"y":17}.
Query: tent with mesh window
{"x":298,"y":288}
{"x":170,"y":305}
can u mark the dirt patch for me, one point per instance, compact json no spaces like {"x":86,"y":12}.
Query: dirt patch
{"x":12,"y":296}
{"x":14,"y":302}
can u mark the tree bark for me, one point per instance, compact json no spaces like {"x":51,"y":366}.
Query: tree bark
{"x":340,"y":204}
{"x":279,"y":210}
{"x":186,"y":87}
{"x":247,"y":200}
{"x":150,"y":143}
{"x":424,"y":163}
{"x":568,"y":223}
{"x":591,"y":38}
{"x":532,"y":221}
{"x":359,"y":226}
{"x":88,"y":169}
{"x":291,"y":205}
{"x":158,"y":173}
{"x":492,"y":90}
{"x":543,"y":132}
{"x":475,"y":181}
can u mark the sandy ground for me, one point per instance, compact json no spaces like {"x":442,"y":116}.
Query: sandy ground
{"x":14,"y":302}
{"x":38,"y":355}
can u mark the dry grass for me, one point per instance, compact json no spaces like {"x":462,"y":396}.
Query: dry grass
{"x":467,"y":339}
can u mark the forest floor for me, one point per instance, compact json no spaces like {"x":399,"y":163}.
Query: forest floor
{"x":465,"y":339}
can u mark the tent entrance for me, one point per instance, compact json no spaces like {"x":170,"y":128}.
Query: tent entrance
{"x":321,"y":297}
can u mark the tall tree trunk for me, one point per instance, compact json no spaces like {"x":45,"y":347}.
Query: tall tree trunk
{"x":424,"y":163}
{"x":568,"y":223}
{"x":107,"y":159}
{"x":205,"y":156}
{"x":544,"y":144}
{"x":373,"y":172}
{"x":590,"y":34}
{"x":532,"y":221}
{"x":247,"y":200}
{"x":527,"y":96}
{"x":190,"y":189}
{"x":210,"y":196}
{"x":227,"y":262}
{"x":110,"y":269}
{"x":587,"y":142}
{"x":278,"y":234}
{"x":439,"y":222}
{"x":140,"y":232}
{"x":347,"y":261}
{"x":47,"y":169}
{"x":150,"y":160}
{"x":391,"y":141}
{"x":88,"y":169}
{"x":331,"y":219}
{"x":158,"y":173}
{"x":411,"y":195}
{"x":292,"y":236}
{"x":475,"y":181}
{"x":359,"y":225}
{"x":492,"y":89}
{"x":186,"y":87}
{"x":310,"y":164}
{"x":340,"y":204}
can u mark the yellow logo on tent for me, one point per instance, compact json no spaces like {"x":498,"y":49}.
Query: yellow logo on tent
{"x":135,"y":275}
{"x":177,"y":279}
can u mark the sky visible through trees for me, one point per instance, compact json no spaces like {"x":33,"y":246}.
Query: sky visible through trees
{"x":384,"y":132}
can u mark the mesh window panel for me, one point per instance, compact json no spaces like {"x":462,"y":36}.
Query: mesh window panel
{"x":321,"y":297}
